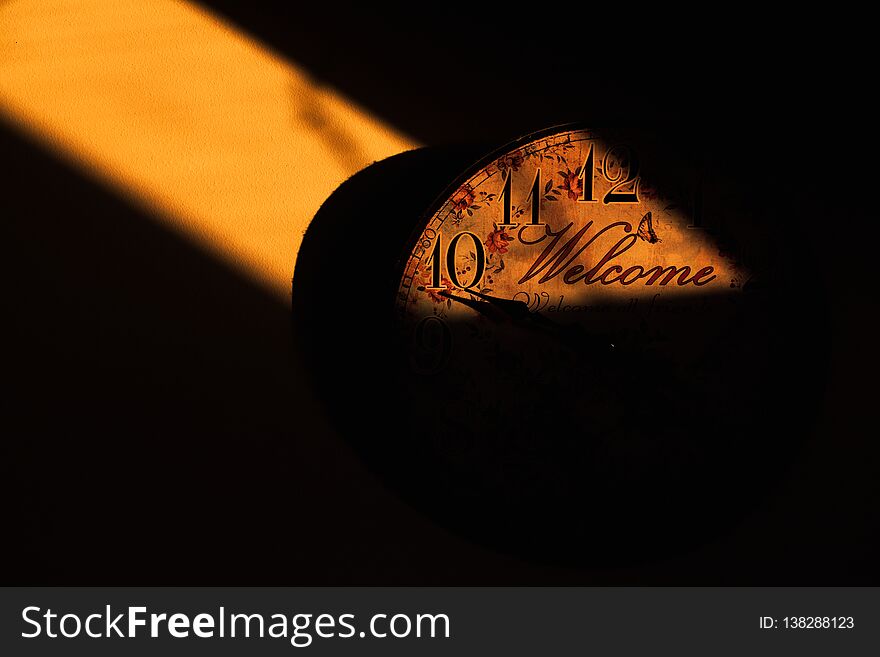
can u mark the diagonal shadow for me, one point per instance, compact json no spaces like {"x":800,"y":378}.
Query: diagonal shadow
{"x":158,"y":428}
{"x":151,"y":383}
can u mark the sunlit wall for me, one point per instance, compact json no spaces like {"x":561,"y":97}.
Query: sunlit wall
{"x":205,"y":127}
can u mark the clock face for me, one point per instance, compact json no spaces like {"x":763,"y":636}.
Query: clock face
{"x":586,"y":350}
{"x":572,"y":229}
{"x":594,"y":347}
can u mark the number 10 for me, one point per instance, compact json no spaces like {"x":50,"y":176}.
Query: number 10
{"x":451,"y":254}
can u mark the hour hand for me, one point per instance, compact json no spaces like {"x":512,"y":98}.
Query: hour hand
{"x":482,"y":307}
{"x":518,"y":311}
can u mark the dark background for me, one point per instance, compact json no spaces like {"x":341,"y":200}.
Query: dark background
{"x":157,"y":425}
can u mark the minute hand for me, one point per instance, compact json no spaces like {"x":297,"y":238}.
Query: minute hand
{"x":482,"y":307}
{"x":514,"y":309}
{"x":496,"y":308}
{"x":518,"y":311}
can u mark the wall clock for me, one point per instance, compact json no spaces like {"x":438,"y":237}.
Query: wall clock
{"x":587,"y":349}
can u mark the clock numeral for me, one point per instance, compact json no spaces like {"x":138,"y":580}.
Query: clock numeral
{"x":505,"y":199}
{"x":433,"y":341}
{"x":620,"y":166}
{"x":436,"y":259}
{"x":587,"y":179}
{"x":534,"y":197}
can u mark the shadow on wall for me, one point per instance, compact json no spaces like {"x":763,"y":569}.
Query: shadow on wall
{"x":309,"y":111}
{"x":158,"y":427}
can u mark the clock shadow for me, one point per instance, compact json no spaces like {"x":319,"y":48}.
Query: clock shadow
{"x":627,"y":460}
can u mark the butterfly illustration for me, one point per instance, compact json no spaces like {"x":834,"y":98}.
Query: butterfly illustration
{"x":646,"y":230}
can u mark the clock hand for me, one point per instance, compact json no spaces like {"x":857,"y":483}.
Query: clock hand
{"x":518,"y":312}
{"x":480,"y":306}
{"x":514,"y":309}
